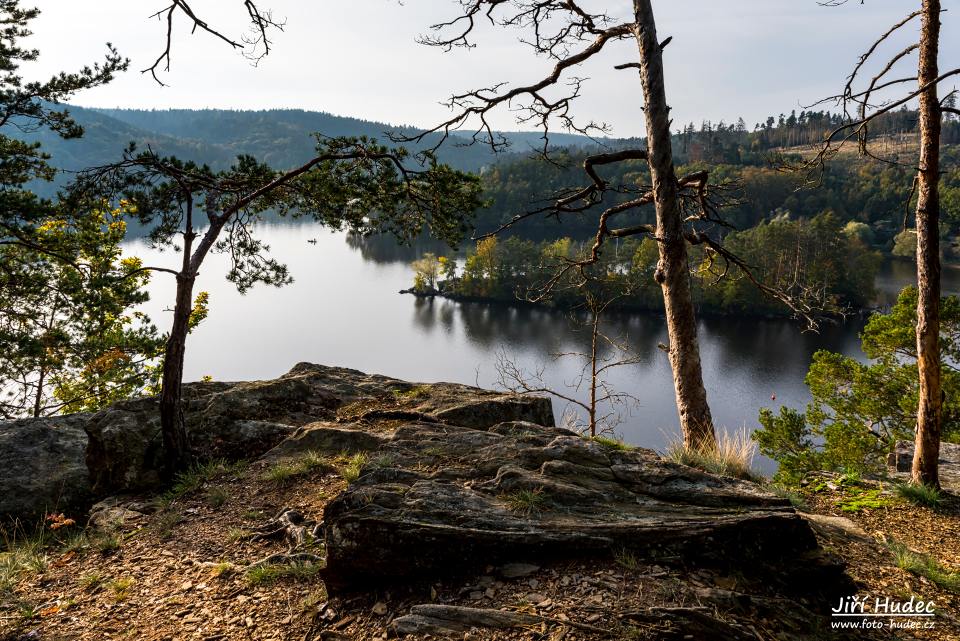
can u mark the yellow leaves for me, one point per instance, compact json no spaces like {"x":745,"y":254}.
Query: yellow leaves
{"x":108,"y":361}
{"x":200,"y":309}
{"x":131,"y":263}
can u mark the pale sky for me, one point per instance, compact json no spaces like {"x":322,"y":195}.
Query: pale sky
{"x":728,"y":58}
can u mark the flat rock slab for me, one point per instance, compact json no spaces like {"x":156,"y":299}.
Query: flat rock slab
{"x":441,"y":498}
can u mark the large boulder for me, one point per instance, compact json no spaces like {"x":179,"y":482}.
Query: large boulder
{"x":43,"y":469}
{"x":439,"y":496}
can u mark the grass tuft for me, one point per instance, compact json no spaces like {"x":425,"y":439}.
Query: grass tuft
{"x":626,"y":559}
{"x":166,"y":521}
{"x":267,"y":574}
{"x":121,"y":588}
{"x":733,"y":455}
{"x":796,"y":500}
{"x":925,"y":566}
{"x":217,"y":497}
{"x":285,"y":472}
{"x":925,"y":495}
{"x":236,"y":534}
{"x":194,"y":478}
{"x":612,"y":443}
{"x":349,"y":467}
{"x":108,"y":543}
{"x":92,"y":581}
{"x":223,"y":569}
{"x":22,"y":558}
{"x":414,"y":392}
{"x":526,"y":501}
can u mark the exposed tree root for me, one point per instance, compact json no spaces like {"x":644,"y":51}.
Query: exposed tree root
{"x":294,"y":529}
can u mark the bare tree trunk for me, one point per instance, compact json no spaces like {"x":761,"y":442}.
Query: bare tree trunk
{"x":176,"y":441}
{"x":929,"y":412}
{"x":594,"y":335}
{"x":673,"y":271}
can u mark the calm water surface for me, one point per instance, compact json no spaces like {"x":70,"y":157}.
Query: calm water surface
{"x":344,"y":309}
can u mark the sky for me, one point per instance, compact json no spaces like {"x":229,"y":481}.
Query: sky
{"x":728,"y":58}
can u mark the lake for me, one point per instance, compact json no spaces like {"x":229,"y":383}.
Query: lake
{"x":344,"y":309}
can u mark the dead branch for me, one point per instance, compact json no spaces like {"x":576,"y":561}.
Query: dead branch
{"x":254,"y":45}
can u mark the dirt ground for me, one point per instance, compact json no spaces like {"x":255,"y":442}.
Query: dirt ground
{"x":182,"y":572}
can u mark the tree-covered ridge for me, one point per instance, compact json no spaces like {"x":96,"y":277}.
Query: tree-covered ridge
{"x":873,"y":193}
{"x":279,"y":137}
{"x":870,"y":192}
{"x":821,"y":256}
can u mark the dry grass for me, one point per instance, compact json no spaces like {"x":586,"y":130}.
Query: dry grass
{"x":733,"y":455}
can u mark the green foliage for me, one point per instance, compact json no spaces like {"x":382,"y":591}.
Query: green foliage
{"x":71,"y":338}
{"x":33,"y":106}
{"x":426,"y":270}
{"x":859,"y":231}
{"x":920,"y":494}
{"x":813,"y":260}
{"x":860,"y":409}
{"x":810,"y":259}
{"x":787,"y":439}
{"x":859,"y":499}
{"x":905,"y":244}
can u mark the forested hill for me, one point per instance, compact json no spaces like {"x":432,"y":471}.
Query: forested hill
{"x":281,"y":137}
{"x":872,"y":193}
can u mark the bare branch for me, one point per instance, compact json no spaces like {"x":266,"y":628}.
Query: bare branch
{"x":255,"y":46}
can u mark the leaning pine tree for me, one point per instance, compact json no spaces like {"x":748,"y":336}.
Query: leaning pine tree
{"x":351,"y":183}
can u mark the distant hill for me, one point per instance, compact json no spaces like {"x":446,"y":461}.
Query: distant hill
{"x":281,"y":137}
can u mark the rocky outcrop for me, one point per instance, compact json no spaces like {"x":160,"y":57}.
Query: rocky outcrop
{"x":65,"y":462}
{"x":42,"y":468}
{"x":440,"y":496}
{"x":245,"y":420}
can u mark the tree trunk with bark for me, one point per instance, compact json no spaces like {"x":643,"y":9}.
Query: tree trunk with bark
{"x":929,"y":412}
{"x":176,"y":440}
{"x":673,"y":270}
